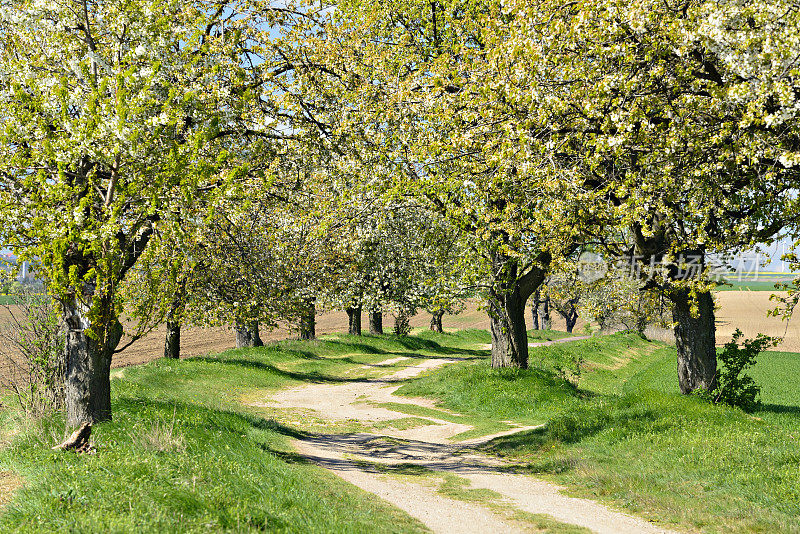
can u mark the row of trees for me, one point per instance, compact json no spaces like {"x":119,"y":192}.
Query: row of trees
{"x":239,"y":161}
{"x":613,"y":298}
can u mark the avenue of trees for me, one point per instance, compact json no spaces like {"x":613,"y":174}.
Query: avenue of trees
{"x":250,"y":163}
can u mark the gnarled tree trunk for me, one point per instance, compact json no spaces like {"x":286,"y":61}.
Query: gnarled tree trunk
{"x":507,"y":298}
{"x":402,"y":320}
{"x":570,"y":321}
{"x":695,"y":339}
{"x":308,"y":322}
{"x":88,"y":358}
{"x":570,"y":315}
{"x":354,"y":321}
{"x":375,"y":322}
{"x":695,"y":336}
{"x":436,"y":320}
{"x":172,"y":343}
{"x":247,"y":335}
{"x":92,"y":327}
{"x":509,"y":336}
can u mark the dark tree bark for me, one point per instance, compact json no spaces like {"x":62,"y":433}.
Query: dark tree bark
{"x":509,"y":335}
{"x":507,"y":298}
{"x":354,"y":321}
{"x":247,"y":335}
{"x":376,"y":323}
{"x":88,"y":355}
{"x":436,"y":320}
{"x":695,"y":336}
{"x":569,"y":311}
{"x":308,"y":322}
{"x":544,"y":314}
{"x":570,"y":319}
{"x":535,"y":310}
{"x":172,"y":344}
{"x":695,"y":339}
{"x":402,"y":326}
{"x":93,"y":330}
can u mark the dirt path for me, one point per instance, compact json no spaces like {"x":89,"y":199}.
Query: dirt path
{"x":364,"y":459}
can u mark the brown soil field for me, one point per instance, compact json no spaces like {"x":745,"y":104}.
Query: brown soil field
{"x":197,"y":341}
{"x":746,"y":310}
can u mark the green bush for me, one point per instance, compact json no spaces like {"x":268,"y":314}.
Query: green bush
{"x":735,"y":388}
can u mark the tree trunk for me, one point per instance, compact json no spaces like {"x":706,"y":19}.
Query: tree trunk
{"x":376,"y":323}
{"x":247,"y":335}
{"x":544,"y":314}
{"x":436,"y":320}
{"x":570,"y":321}
{"x":308,"y":322}
{"x":87,"y":391}
{"x":571,"y":317}
{"x":535,"y":310}
{"x":78,"y":441}
{"x":172,"y":345}
{"x":507,"y":298}
{"x":695,"y":339}
{"x":354,"y":321}
{"x":509,"y":336}
{"x":402,"y":326}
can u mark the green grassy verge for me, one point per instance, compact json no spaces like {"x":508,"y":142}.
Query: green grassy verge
{"x":184,"y":455}
{"x":625,"y":436}
{"x":549,"y":335}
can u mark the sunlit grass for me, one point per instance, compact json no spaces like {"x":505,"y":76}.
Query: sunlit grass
{"x":625,"y":435}
{"x":184,"y":455}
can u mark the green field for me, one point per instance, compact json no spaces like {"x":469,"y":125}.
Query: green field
{"x":762,"y":282}
{"x":7,"y":299}
{"x":745,"y":285}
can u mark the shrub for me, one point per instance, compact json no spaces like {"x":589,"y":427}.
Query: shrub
{"x":735,"y":388}
{"x":33,"y":352}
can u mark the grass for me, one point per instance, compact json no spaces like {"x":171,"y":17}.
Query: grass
{"x":549,"y":335}
{"x":761,"y":282}
{"x":6,"y":300}
{"x":624,"y":435}
{"x":749,"y":285}
{"x":191,"y":450}
{"x":488,"y":395}
{"x":402,"y":423}
{"x":184,"y":455}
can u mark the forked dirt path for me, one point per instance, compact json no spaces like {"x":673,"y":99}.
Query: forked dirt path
{"x":364,"y":459}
